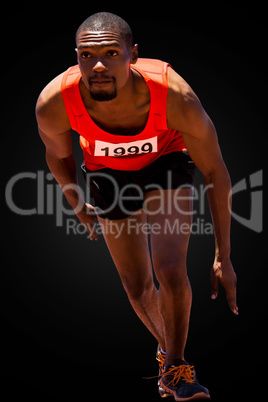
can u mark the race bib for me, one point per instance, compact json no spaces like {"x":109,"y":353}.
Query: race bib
{"x":103,"y":148}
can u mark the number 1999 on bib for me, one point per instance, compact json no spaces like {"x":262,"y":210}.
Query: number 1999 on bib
{"x":147,"y":146}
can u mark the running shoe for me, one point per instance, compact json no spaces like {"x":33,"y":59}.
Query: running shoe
{"x":181,"y":382}
{"x":160,"y":357}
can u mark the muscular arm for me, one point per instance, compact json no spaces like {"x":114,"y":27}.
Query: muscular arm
{"x":55,"y":131}
{"x":186,"y":114}
{"x":62,"y":165}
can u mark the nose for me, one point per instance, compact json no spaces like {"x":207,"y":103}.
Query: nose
{"x":99,"y":67}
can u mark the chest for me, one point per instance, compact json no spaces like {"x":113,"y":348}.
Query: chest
{"x":126,"y":121}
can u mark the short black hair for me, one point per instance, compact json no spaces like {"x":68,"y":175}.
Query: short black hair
{"x":105,"y":21}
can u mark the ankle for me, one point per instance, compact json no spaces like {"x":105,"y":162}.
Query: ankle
{"x":170,"y":360}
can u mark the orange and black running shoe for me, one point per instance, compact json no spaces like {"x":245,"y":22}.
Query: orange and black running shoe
{"x":180,"y":381}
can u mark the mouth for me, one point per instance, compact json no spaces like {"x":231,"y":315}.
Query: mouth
{"x":100,"y":82}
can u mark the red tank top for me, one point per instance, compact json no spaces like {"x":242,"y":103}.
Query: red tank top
{"x":123,"y":152}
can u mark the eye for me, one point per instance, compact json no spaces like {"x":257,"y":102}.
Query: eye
{"x":112,"y":53}
{"x":85,"y":55}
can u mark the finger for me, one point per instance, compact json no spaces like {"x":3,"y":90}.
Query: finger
{"x":231,"y":298}
{"x":91,"y":229}
{"x":214,"y":285}
{"x":93,"y":234}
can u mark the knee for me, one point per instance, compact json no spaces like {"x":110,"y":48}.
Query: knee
{"x":172,"y":276}
{"x":138,"y":290}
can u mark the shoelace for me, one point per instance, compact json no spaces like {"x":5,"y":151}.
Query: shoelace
{"x":183,"y":371}
{"x":161,"y":358}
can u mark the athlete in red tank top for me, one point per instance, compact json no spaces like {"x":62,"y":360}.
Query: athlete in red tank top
{"x":124,"y":152}
{"x":131,"y":116}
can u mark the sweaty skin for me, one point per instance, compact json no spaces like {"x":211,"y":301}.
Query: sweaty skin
{"x":104,"y":61}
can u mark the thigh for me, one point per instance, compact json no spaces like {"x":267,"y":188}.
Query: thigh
{"x":169,"y":214}
{"x":127,"y":241}
{"x":115,"y":194}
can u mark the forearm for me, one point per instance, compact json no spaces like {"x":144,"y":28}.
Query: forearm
{"x":64,"y":171}
{"x":219,"y":198}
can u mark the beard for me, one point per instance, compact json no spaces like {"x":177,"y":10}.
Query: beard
{"x":103,"y":95}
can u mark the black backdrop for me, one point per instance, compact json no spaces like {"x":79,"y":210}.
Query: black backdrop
{"x":68,"y":329}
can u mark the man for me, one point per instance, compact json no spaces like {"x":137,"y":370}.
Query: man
{"x":142,"y":130}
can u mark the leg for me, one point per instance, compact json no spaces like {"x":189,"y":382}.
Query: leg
{"x":169,"y":251}
{"x":128,"y":245}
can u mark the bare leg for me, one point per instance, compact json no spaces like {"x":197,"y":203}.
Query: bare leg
{"x":169,"y":251}
{"x":131,"y":256}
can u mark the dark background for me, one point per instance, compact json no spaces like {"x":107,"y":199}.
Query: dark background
{"x":68,"y":330}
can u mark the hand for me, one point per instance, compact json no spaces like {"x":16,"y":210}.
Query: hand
{"x":222,"y":272}
{"x":87,"y":218}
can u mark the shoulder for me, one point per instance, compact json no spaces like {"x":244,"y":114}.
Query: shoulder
{"x":155,"y":69}
{"x":180,"y":95}
{"x":50,"y":109}
{"x":185,"y":112}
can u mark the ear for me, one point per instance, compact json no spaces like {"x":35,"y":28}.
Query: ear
{"x":76,"y":50}
{"x":134,"y":54}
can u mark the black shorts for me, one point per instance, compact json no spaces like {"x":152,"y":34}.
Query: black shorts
{"x":118,"y":194}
